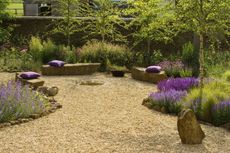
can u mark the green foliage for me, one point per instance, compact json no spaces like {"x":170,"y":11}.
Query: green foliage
{"x":217,"y":62}
{"x":151,"y":18}
{"x":152,"y":21}
{"x":105,"y":53}
{"x":36,"y":48}
{"x":70,"y":54}
{"x":226,"y":76}
{"x":68,"y":9}
{"x":205,"y":18}
{"x":221,"y":113}
{"x":186,"y":73}
{"x":190,"y":58}
{"x":105,"y":22}
{"x":173,"y":72}
{"x":117,"y":68}
{"x":4,"y":29}
{"x":213,"y":93}
{"x":188,"y":54}
{"x":144,"y":59}
{"x":43,"y":52}
{"x":50,"y":51}
{"x":14,"y":60}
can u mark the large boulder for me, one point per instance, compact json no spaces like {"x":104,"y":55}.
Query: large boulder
{"x":189,"y":129}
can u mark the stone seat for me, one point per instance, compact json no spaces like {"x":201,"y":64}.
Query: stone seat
{"x":139,"y":73}
{"x":71,"y":69}
{"x":34,"y":83}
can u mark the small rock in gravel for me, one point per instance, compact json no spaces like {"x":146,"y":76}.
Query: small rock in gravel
{"x":163,"y":110}
{"x":52,"y":110}
{"x":34,"y":116}
{"x":58,"y":105}
{"x":5,"y":124}
{"x":30,"y":119}
{"x":147,"y":102}
{"x":157,"y":108}
{"x":14,"y":122}
{"x":189,"y":129}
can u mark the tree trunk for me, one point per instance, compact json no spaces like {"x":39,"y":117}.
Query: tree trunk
{"x":68,"y":23}
{"x":148,"y":50}
{"x":201,"y":60}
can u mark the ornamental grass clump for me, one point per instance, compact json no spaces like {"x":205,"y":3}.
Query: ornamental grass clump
{"x":169,"y":99}
{"x":221,"y":113}
{"x":213,"y":94}
{"x":17,"y":101}
{"x":179,"y":84}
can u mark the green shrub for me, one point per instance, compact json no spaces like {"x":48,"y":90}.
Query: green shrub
{"x":226,"y":76}
{"x":49,"y":51}
{"x":221,"y":113}
{"x":105,"y":53}
{"x":43,"y":52}
{"x":12,"y":60}
{"x":188,"y":54}
{"x":173,"y":72}
{"x":186,"y":73}
{"x":145,"y":59}
{"x":52,"y":51}
{"x":213,"y":93}
{"x":190,"y":57}
{"x":70,"y":54}
{"x":217,"y":62}
{"x":36,"y":48}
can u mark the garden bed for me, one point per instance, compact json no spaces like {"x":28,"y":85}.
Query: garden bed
{"x":176,"y":94}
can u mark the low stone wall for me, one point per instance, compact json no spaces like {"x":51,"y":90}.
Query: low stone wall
{"x":71,"y":69}
{"x":139,"y":73}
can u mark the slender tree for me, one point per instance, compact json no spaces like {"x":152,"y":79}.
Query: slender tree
{"x":205,"y":18}
{"x":152,"y":21}
{"x":104,"y":21}
{"x":69,"y":24}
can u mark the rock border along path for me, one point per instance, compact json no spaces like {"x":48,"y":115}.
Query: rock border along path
{"x":103,"y":119}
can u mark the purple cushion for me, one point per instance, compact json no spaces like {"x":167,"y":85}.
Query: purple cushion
{"x":30,"y":75}
{"x":56,"y":63}
{"x":153,"y":69}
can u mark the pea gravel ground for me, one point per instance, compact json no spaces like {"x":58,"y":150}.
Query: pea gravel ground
{"x":107,"y":118}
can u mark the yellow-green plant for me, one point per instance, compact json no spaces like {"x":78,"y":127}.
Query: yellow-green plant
{"x":213,"y":93}
{"x":226,"y":76}
{"x":204,"y":18}
{"x":105,"y":22}
{"x":36,"y":48}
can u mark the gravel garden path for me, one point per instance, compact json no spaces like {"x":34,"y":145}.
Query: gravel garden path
{"x":104,"y":118}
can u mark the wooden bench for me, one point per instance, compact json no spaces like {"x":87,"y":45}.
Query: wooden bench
{"x":33,"y":83}
{"x":139,"y":73}
{"x":71,"y":69}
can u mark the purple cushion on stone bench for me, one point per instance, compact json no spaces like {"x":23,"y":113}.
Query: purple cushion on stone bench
{"x":30,"y":75}
{"x":56,"y":63}
{"x":153,"y":69}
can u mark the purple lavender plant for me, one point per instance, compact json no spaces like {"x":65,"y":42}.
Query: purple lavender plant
{"x":169,"y":99}
{"x":171,"y":65}
{"x":179,"y":84}
{"x":221,"y":113}
{"x":17,"y":101}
